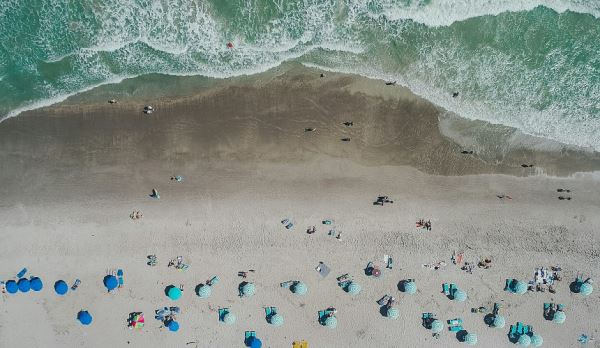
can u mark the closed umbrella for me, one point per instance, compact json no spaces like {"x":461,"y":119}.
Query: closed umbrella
{"x":24,"y":285}
{"x":353,"y":288}
{"x":111,"y":282}
{"x":36,"y":284}
{"x":174,"y":293}
{"x":331,"y":322}
{"x":248,"y":289}
{"x":276,"y":320}
{"x":410,"y":287}
{"x":11,"y":287}
{"x":61,"y":287}
{"x":471,"y":339}
{"x":524,"y":341}
{"x":84,"y":317}
{"x":437,"y":326}
{"x":204,"y":291}
{"x":586,"y":289}
{"x":499,"y":322}
{"x":559,"y":317}
{"x":536,"y":340}
{"x":460,"y":295}
{"x":299,"y":288}
{"x":393,"y":313}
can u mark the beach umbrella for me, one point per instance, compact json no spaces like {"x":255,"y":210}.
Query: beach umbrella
{"x":255,"y":343}
{"x":353,"y":288}
{"x":276,"y":320}
{"x":11,"y":286}
{"x":375,"y":272}
{"x":174,"y":293}
{"x":61,"y":287}
{"x":524,"y":341}
{"x":248,"y":289}
{"x":471,"y":339}
{"x":559,"y":317}
{"x":229,"y":319}
{"x":586,"y":289}
{"x":84,"y":317}
{"x":331,"y":322}
{"x":536,"y":340}
{"x":299,"y":288}
{"x":392,"y":313}
{"x":460,"y":295}
{"x":437,"y":326}
{"x":111,"y":282}
{"x":204,"y":291}
{"x":173,"y":326}
{"x":499,"y":322}
{"x":36,"y":284}
{"x":410,"y":287}
{"x":24,"y":285}
{"x":520,"y":287}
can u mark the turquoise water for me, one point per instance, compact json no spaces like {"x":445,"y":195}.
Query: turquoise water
{"x":533,"y":65}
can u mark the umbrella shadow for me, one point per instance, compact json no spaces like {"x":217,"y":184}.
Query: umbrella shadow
{"x":488,"y":319}
{"x":460,"y":336}
{"x":168,"y":288}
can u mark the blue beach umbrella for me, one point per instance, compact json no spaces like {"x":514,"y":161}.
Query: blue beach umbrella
{"x":499,"y":322}
{"x":24,"y":285}
{"x":84,"y":317}
{"x":174,"y":293}
{"x":471,"y":339}
{"x":248,"y":289}
{"x":276,"y":320}
{"x":255,"y":343}
{"x":536,"y":340}
{"x":559,"y":317}
{"x":524,"y":341}
{"x":204,"y":291}
{"x":61,"y":287}
{"x":173,"y":326}
{"x":353,"y":288}
{"x":36,"y":284}
{"x":111,"y":282}
{"x":299,"y":288}
{"x":460,"y":295}
{"x":437,"y":326}
{"x":331,"y":322}
{"x":410,"y":288}
{"x":586,"y":289}
{"x":11,"y":287}
{"x":392,"y":313}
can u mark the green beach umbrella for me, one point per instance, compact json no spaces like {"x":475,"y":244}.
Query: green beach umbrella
{"x":299,"y":288}
{"x":276,"y":320}
{"x":586,"y":289}
{"x":460,"y":295}
{"x":536,"y":340}
{"x":559,"y":317}
{"x":437,"y":326}
{"x":471,"y":339}
{"x":331,"y":322}
{"x":353,"y":288}
{"x":499,"y":321}
{"x":248,"y":289}
{"x":524,"y":341}
{"x":174,"y":293}
{"x":204,"y":291}
{"x":520,"y":288}
{"x":410,"y":288}
{"x":392,"y":313}
{"x":229,"y":318}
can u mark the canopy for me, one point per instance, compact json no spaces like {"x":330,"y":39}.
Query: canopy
{"x":36,"y":284}
{"x":410,"y":287}
{"x":248,"y":289}
{"x":460,"y":295}
{"x":520,"y":287}
{"x":255,"y":343}
{"x":586,"y":289}
{"x":61,"y":287}
{"x":536,"y":340}
{"x":393,"y":313}
{"x":204,"y":291}
{"x":559,"y":317}
{"x":299,"y":288}
{"x":229,"y":319}
{"x":84,"y":317}
{"x":11,"y":287}
{"x":111,"y":282}
{"x":437,"y":326}
{"x":174,"y":293}
{"x":524,"y":341}
{"x":173,"y":326}
{"x":276,"y":320}
{"x":499,"y":322}
{"x":471,"y":339}
{"x":24,"y":285}
{"x":353,"y":288}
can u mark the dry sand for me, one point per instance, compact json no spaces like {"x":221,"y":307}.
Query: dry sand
{"x":72,"y":174}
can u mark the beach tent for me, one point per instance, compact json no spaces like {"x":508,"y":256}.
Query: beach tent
{"x":299,"y":288}
{"x":460,"y":295}
{"x":204,"y":291}
{"x":520,"y":287}
{"x":173,"y":326}
{"x":61,"y":287}
{"x":24,"y":285}
{"x":410,"y":288}
{"x":392,"y":313}
{"x":11,"y":286}
{"x":255,"y":343}
{"x":248,"y":289}
{"x":586,"y":289}
{"x":229,"y":318}
{"x":536,"y":340}
{"x":524,"y":341}
{"x":499,"y":322}
{"x":331,"y":322}
{"x":276,"y":320}
{"x":471,"y":339}
{"x":437,"y":326}
{"x":559,"y":317}
{"x":36,"y":284}
{"x":353,"y":288}
{"x":84,"y":317}
{"x":111,"y":282}
{"x":174,"y":293}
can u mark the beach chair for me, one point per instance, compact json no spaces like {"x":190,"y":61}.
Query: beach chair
{"x":426,"y":319}
{"x":453,"y":288}
{"x":519,"y":328}
{"x":248,"y":336}
{"x":270,"y":311}
{"x":560,"y":307}
{"x":75,"y":284}
{"x":327,"y":222}
{"x":300,"y":344}
{"x":525,"y":329}
{"x":213,"y":281}
{"x":446,"y":289}
{"x":508,"y":285}
{"x":456,"y":321}
{"x":382,"y":301}
{"x":120,"y":277}
{"x":324,"y":314}
{"x":222,"y":313}
{"x":512,"y":333}
{"x":290,"y":225}
{"x":390,"y":263}
{"x":496,"y":309}
{"x":455,"y":328}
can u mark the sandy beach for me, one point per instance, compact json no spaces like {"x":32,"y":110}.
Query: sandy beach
{"x":72,"y":173}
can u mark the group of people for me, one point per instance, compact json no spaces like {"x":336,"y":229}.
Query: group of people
{"x":421,"y":223}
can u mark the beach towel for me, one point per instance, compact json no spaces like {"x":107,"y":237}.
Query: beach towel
{"x":323,"y":269}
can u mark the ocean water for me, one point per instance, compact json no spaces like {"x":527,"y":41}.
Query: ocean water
{"x":529,"y":64}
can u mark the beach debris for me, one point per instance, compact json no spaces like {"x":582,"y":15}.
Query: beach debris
{"x":323,"y":269}
{"x":381,"y":200}
{"x":178,"y":264}
{"x":454,"y":94}
{"x":390,"y":83}
{"x":152,"y":260}
{"x":345,"y":139}
{"x":310,"y":129}
{"x":177,"y":178}
{"x":348,"y":123}
{"x":148,"y":109}
{"x":135,"y":320}
{"x":287,"y":223}
{"x":112,"y":101}
{"x":136,"y":215}
{"x":421,"y":223}
{"x":154,"y":194}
